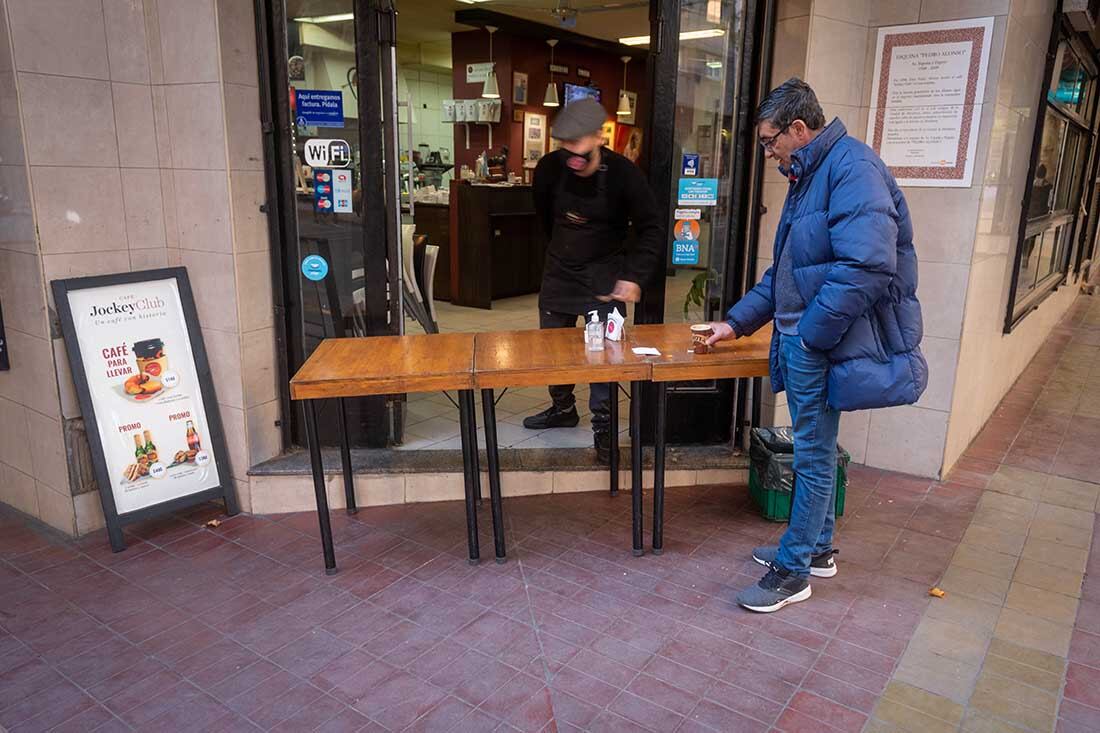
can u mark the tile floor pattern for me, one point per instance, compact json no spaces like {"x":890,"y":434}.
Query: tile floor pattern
{"x":233,"y":628}
{"x":432,"y":421}
{"x":1019,"y":630}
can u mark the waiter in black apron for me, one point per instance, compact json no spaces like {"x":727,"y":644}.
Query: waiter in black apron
{"x":587,"y":197}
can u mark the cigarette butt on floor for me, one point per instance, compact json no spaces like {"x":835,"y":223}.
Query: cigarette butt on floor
{"x":936,"y":592}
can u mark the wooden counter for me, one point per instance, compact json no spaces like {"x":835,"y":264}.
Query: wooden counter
{"x":497,"y":245}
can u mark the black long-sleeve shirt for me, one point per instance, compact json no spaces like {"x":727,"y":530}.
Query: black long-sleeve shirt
{"x":630,"y":201}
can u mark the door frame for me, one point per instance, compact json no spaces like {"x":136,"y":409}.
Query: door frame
{"x":741,"y":225}
{"x":374,"y":39}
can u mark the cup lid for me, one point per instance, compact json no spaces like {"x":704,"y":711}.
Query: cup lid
{"x":701,"y":327}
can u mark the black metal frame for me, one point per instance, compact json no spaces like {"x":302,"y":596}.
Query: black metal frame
{"x":1058,"y":32}
{"x":226,"y":490}
{"x":758,"y":80}
{"x":470,"y":472}
{"x":272,"y":53}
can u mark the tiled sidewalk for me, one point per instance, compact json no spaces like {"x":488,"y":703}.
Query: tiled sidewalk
{"x":992,"y":655}
{"x":234,"y":628}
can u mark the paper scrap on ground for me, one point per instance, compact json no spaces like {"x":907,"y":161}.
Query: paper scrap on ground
{"x":936,"y":592}
{"x":645,"y":351}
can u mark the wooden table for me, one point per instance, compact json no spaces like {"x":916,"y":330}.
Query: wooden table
{"x":359,"y":367}
{"x":744,"y":357}
{"x":558,"y":356}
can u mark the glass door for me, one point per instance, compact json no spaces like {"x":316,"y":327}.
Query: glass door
{"x":700,"y":167}
{"x":333,"y":132}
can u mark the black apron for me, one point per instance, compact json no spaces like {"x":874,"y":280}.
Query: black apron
{"x":585,"y":255}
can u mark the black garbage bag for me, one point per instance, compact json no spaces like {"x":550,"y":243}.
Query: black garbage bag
{"x":771,"y":451}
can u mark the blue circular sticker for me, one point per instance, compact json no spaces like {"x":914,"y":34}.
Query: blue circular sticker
{"x":314,"y":267}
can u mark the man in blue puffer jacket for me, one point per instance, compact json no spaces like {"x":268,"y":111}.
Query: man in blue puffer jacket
{"x":842,"y":294}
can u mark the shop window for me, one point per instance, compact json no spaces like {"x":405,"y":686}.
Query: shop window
{"x":1059,"y":165}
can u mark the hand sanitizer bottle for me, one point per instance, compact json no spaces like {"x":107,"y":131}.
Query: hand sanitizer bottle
{"x":593,"y":333}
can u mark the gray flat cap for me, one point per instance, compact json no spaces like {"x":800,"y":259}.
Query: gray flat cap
{"x":577,"y":119}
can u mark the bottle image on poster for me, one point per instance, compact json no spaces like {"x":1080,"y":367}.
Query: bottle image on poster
{"x":136,"y":348}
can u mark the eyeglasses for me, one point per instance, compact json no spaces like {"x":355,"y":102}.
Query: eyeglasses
{"x":769,"y":142}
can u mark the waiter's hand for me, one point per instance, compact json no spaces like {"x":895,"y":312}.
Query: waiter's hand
{"x":722,"y":331}
{"x":625,"y":291}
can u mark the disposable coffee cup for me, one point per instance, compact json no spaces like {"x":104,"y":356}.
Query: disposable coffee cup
{"x":700,"y":332}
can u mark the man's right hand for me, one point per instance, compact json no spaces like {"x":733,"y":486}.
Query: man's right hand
{"x":722,"y":331}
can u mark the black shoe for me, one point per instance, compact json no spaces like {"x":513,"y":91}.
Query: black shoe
{"x":602,"y":441}
{"x":552,"y":417}
{"x":821,"y":566}
{"x":776,"y":589}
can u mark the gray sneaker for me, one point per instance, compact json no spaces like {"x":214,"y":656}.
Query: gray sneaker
{"x":821,"y":566}
{"x":776,"y":589}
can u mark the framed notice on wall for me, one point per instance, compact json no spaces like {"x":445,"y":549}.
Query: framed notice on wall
{"x":926,"y":100}
{"x":146,"y":394}
{"x":534,"y":138}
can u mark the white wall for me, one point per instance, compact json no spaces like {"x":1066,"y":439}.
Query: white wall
{"x":427,"y":90}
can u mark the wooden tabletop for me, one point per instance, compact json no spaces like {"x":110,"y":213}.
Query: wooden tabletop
{"x":552,"y":356}
{"x":356,"y":367}
{"x":744,"y":357}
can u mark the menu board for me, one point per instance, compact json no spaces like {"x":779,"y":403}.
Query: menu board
{"x":144,"y":384}
{"x":929,"y":85}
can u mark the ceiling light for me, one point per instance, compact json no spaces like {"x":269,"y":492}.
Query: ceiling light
{"x":624,"y":101}
{"x":714,"y":64}
{"x":551,"y":97}
{"x":491,"y":89}
{"x":685,"y":36}
{"x":326,"y":18}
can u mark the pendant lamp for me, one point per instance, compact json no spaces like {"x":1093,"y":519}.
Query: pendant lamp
{"x":491,"y":90}
{"x":624,"y":101}
{"x":551,"y":98}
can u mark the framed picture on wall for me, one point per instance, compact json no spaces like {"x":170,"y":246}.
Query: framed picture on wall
{"x":609,"y":133}
{"x":519,"y":87}
{"x":628,"y":142}
{"x":517,"y":114}
{"x":534,"y":138}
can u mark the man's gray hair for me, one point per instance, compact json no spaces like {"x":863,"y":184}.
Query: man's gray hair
{"x":792,"y":100}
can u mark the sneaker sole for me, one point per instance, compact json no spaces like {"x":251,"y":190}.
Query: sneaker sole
{"x":798,"y":597}
{"x":552,"y":427}
{"x":815,"y":572}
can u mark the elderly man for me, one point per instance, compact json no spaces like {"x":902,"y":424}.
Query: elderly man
{"x":586,"y":198}
{"x":842,"y":295}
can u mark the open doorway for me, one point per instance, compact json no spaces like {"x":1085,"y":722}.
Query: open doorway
{"x":446,"y":107}
{"x":480,"y":212}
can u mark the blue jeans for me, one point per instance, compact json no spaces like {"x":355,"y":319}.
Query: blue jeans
{"x":813,"y":508}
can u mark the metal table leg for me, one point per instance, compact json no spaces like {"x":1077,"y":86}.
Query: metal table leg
{"x":345,"y":460}
{"x":489,"y":413}
{"x":659,"y":469}
{"x":468,"y":426}
{"x":319,"y":487}
{"x":636,"y":464}
{"x":614,"y":427}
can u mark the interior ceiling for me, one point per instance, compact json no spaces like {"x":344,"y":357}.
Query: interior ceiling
{"x":432,"y":21}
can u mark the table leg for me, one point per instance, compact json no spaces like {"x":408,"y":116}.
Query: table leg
{"x":471,"y":479}
{"x":475,"y":460}
{"x":614,"y":426}
{"x":489,"y":413}
{"x":636,"y":464}
{"x":659,"y":469}
{"x":345,"y":460}
{"x":319,"y":487}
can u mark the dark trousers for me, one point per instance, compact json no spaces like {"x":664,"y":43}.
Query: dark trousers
{"x":599,"y":393}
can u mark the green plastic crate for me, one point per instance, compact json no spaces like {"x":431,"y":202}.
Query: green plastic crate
{"x":775,"y":506}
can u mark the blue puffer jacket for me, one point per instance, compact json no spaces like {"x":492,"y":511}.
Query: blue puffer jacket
{"x":849,"y":232}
